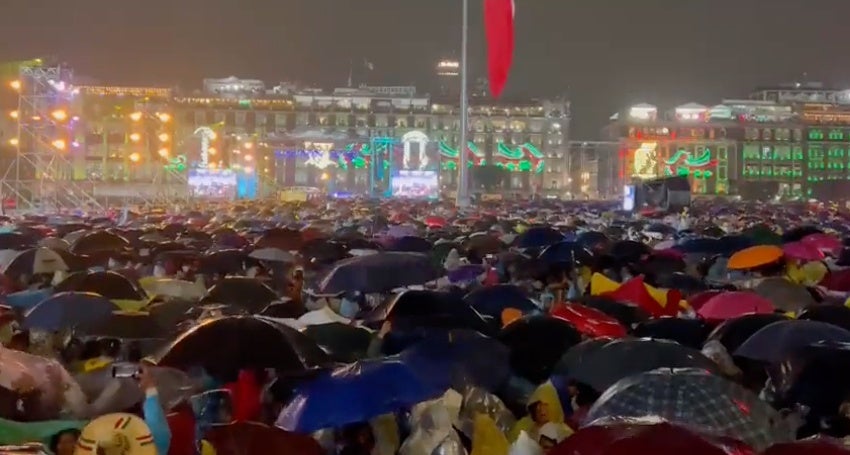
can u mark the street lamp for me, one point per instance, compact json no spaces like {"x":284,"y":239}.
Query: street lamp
{"x":163,"y":152}
{"x":164,"y":117}
{"x":136,"y":116}
{"x":135,"y":137}
{"x":135,"y":157}
{"x":13,"y":114}
{"x":59,"y":115}
{"x":163,"y":137}
{"x":14,"y":142}
{"x":16,"y":85}
{"x":59,"y":144}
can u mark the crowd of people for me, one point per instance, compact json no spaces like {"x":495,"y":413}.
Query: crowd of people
{"x":357,"y":327}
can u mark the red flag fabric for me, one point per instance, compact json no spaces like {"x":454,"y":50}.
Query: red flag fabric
{"x":499,"y":25}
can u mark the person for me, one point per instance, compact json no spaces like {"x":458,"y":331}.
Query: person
{"x":20,"y":341}
{"x":152,"y":410}
{"x":357,"y":439}
{"x":64,"y":442}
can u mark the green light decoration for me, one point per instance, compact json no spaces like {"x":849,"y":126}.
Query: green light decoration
{"x":176,"y":164}
{"x":450,"y":152}
{"x":682,"y":163}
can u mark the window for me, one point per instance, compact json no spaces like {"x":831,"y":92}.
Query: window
{"x":751,"y":134}
{"x":798,"y":135}
{"x":767,"y":134}
{"x":836,"y":135}
{"x":815,"y":135}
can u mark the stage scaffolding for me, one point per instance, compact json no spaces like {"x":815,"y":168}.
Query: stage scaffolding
{"x":39,"y":177}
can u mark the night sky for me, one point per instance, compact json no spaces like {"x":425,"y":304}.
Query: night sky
{"x":606,"y":54}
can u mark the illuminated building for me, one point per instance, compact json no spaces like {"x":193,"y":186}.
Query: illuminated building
{"x":303,"y":134}
{"x":792,"y":141}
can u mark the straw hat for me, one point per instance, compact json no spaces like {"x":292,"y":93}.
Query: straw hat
{"x":116,"y":434}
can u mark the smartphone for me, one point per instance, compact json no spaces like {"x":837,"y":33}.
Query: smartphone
{"x":125,"y":370}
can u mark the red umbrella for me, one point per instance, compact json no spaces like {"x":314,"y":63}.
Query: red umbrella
{"x":837,"y":280}
{"x":803,"y":251}
{"x":435,"y":221}
{"x":638,"y":438}
{"x":730,"y":305}
{"x":819,"y":447}
{"x":590,"y":321}
{"x":696,"y":301}
{"x":824,"y":242}
{"x":252,"y":438}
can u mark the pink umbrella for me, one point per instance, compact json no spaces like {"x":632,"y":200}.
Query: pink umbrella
{"x":730,"y":305}
{"x":824,"y":242}
{"x":697,"y":301}
{"x":802,"y":251}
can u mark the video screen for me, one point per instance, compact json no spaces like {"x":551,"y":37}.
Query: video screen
{"x":213,"y":183}
{"x":415,"y":152}
{"x":416,"y":184}
{"x":629,"y":198}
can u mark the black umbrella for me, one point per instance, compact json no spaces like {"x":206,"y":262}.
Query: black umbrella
{"x":343,"y":342}
{"x":566,"y":252}
{"x":834,"y":314}
{"x":248,"y":293}
{"x":733,"y":332}
{"x":630,"y":251}
{"x":129,"y":325}
{"x":537,"y":343}
{"x":111,"y":285}
{"x":224,"y":262}
{"x":280,"y":238}
{"x":538,"y":237}
{"x":687,"y":332}
{"x":602,"y":367}
{"x":99,"y":242}
{"x":427,"y":309}
{"x":492,"y":300}
{"x":379,"y":273}
{"x":322,"y":251}
{"x":626,"y":313}
{"x":229,"y":344}
{"x":410,"y":244}
{"x":575,"y":354}
{"x":16,"y":241}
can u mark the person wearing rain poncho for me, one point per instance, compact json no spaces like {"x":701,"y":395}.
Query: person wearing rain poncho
{"x":545,"y":420}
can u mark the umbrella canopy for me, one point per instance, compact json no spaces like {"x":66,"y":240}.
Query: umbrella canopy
{"x":754,"y":257}
{"x":642,"y":436}
{"x":459,"y":359}
{"x":248,"y":293}
{"x":379,"y":272}
{"x":99,"y":242}
{"x":69,"y":310}
{"x":493,"y":300}
{"x":784,"y":294}
{"x":355,"y":393}
{"x":272,"y":255}
{"x":778,"y":342}
{"x":816,"y":447}
{"x":128,"y":325}
{"x":282,"y":239}
{"x":589,"y":321}
{"x":111,"y":285}
{"x":566,"y":252}
{"x":733,"y":333}
{"x":409,"y":244}
{"x":628,"y":314}
{"x":834,"y":314}
{"x":169,"y":287}
{"x":249,"y":438}
{"x":823,"y":242}
{"x":725,"y":408}
{"x":537,"y":342}
{"x":802,"y":251}
{"x":730,"y":305}
{"x":283,"y":347}
{"x":16,"y":241}
{"x":538,"y":237}
{"x":343,"y":342}
{"x":687,"y":332}
{"x":602,"y":367}
{"x":36,"y":261}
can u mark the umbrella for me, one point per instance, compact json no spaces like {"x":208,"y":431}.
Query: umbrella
{"x":695,"y":398}
{"x":128,"y":325}
{"x":16,"y":241}
{"x":413,"y":310}
{"x":224,"y":262}
{"x":730,"y":305}
{"x":802,"y":251}
{"x":379,"y":273}
{"x":272,"y":255}
{"x":343,"y":342}
{"x":492,"y":300}
{"x":36,"y":261}
{"x":203,"y":345}
{"x":602,"y":367}
{"x":732,"y":333}
{"x":799,"y":233}
{"x":283,"y":239}
{"x":834,"y":314}
{"x":111,"y":285}
{"x":575,"y":354}
{"x":642,"y":436}
{"x":784,"y":294}
{"x":99,"y":242}
{"x":701,"y":245}
{"x":355,"y":393}
{"x":590,"y":321}
{"x":169,"y":287}
{"x":566,"y":252}
{"x":626,"y":313}
{"x":409,"y":244}
{"x":248,"y":293}
{"x":482,"y":245}
{"x":459,"y":359}
{"x":630,"y":251}
{"x":538,"y":237}
{"x":777,"y":342}
{"x":251,"y":438}
{"x":537,"y":343}
{"x":754,"y":256}
{"x":68,"y":310}
{"x":812,"y":447}
{"x":323,"y":252}
{"x":824,"y":242}
{"x":687,"y":332}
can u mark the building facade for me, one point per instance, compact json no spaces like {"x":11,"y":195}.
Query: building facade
{"x":788,"y":141}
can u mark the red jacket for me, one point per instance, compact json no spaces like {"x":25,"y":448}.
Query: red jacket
{"x":182,"y":425}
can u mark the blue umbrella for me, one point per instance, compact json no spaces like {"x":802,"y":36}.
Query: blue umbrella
{"x":25,"y":300}
{"x":492,"y":300}
{"x":69,"y":309}
{"x":538,"y":237}
{"x":700,"y":245}
{"x":777,"y":342}
{"x":355,"y":393}
{"x":459,"y":358}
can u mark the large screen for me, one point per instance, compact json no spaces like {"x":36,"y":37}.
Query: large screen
{"x":416,"y":184}
{"x":415,"y":152}
{"x":213,"y":183}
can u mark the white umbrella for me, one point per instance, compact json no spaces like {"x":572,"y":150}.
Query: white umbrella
{"x":272,"y":255}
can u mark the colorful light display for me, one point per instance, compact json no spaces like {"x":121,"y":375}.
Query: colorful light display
{"x":683,"y":163}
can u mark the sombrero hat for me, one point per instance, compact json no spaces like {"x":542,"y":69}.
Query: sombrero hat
{"x":116,"y":434}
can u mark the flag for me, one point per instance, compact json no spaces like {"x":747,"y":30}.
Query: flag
{"x":499,"y":25}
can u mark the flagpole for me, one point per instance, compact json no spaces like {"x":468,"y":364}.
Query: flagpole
{"x":463,"y":171}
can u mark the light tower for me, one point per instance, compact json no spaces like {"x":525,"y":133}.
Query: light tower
{"x":39,"y":176}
